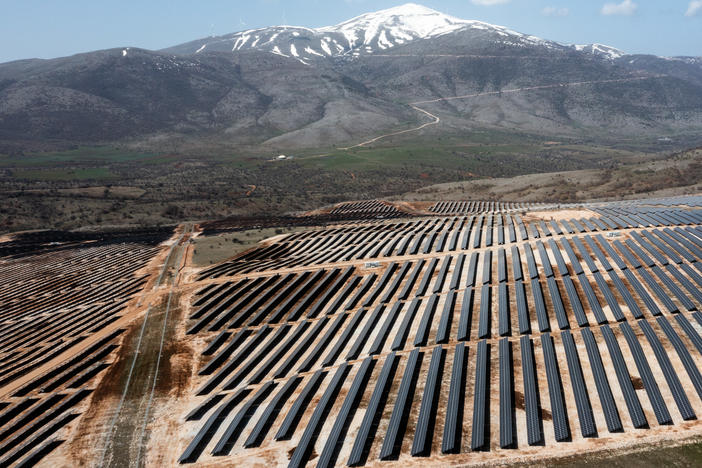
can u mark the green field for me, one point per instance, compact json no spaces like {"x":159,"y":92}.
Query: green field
{"x":60,"y":174}
{"x":449,"y":160}
{"x":83,"y":155}
{"x":448,"y":156}
{"x":689,"y":455}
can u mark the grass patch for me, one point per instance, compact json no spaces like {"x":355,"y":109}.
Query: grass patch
{"x":460,"y":160}
{"x":447,"y":157}
{"x":215,"y":249}
{"x":682,"y":456}
{"x":100,"y":154}
{"x":95,"y":173}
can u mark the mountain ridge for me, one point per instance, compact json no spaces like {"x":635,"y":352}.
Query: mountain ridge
{"x":279,"y":101}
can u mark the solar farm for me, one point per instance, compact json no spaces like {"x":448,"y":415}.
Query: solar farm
{"x":65,"y":305}
{"x":380,"y":334}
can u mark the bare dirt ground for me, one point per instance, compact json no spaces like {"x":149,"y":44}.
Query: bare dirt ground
{"x":559,"y":215}
{"x":100,"y":191}
{"x":415,"y":208}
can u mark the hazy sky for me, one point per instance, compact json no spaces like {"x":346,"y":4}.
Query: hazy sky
{"x":53,"y":28}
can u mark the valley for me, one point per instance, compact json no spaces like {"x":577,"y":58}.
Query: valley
{"x":104,"y":186}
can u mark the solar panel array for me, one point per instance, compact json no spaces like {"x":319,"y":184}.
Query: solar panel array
{"x":367,"y":208}
{"x":371,"y":241}
{"x":59,"y":328}
{"x":456,"y":343}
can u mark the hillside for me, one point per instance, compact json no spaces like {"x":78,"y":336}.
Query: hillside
{"x":115,"y":94}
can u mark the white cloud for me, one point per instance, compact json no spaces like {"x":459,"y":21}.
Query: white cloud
{"x":694,"y":8}
{"x":489,"y":2}
{"x":555,"y":11}
{"x":626,"y":8}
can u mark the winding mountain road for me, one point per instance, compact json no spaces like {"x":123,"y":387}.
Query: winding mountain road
{"x":436,"y":119}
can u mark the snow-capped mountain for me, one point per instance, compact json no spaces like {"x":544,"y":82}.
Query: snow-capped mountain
{"x":368,"y":33}
{"x":378,"y":31}
{"x":371,"y":33}
{"x":600,"y":50}
{"x":298,"y":87}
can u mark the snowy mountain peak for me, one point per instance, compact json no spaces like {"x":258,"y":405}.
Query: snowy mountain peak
{"x":600,"y":50}
{"x":395,"y":26}
{"x":406,"y":20}
{"x":408,"y":9}
{"x":383,"y":29}
{"x":374,"y":33}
